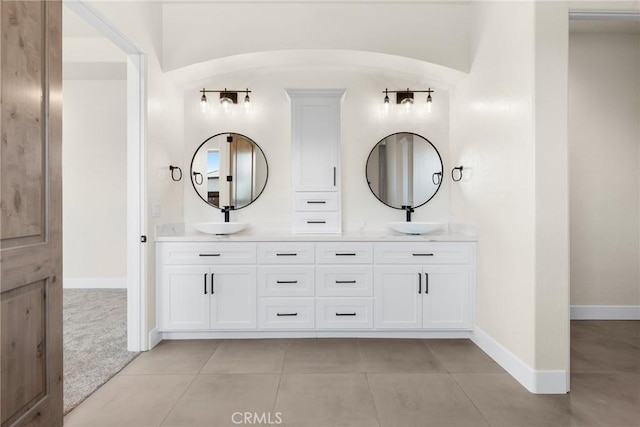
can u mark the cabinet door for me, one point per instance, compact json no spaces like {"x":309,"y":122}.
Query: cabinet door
{"x":398,"y":303}
{"x":316,"y":135}
{"x":184,"y":298}
{"x":447,"y":297}
{"x":233,"y":299}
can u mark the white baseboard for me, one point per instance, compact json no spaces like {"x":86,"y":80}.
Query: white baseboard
{"x":94,"y":283}
{"x":154,"y":338}
{"x":605,"y":312}
{"x":191,"y":335}
{"x":539,"y":382}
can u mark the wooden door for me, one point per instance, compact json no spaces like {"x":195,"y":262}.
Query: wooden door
{"x":30,"y":217}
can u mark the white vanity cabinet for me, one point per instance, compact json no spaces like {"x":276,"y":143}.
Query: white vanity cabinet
{"x":204,"y":286}
{"x":286,"y":286}
{"x":315,"y":142}
{"x":429,"y":286}
{"x":316,"y":288}
{"x":344,"y":285}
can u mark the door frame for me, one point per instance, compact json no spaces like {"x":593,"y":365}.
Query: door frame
{"x":137,"y":330}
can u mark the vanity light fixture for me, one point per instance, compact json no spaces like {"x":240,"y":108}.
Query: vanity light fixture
{"x":247,"y":101}
{"x":406,"y":97}
{"x":228,"y":97}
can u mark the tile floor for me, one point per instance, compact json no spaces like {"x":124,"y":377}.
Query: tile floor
{"x":366,"y":382}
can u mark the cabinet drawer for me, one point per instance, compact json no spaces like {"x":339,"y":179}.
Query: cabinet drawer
{"x":315,"y":202}
{"x":286,"y":313}
{"x":344,"y":253}
{"x":285,"y":281}
{"x":344,"y":313}
{"x":344,"y":281}
{"x":286,"y":253}
{"x":207,"y":253}
{"x":316,"y":222}
{"x":422,"y":253}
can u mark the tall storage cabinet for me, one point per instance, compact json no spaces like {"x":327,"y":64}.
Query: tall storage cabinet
{"x":315,"y":132}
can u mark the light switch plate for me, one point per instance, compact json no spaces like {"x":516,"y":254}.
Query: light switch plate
{"x":155,"y":210}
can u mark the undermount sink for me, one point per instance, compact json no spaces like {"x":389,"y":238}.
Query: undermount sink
{"x":416,"y":227}
{"x":220,"y":227}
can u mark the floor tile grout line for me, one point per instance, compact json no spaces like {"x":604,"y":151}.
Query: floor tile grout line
{"x":275,"y":397}
{"x":178,"y":400}
{"x":373,"y":400}
{"x":426,"y":343}
{"x":210,"y":356}
{"x":471,"y":400}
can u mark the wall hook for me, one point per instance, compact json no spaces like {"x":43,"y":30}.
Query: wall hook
{"x":195,"y":178}
{"x":453,"y":175}
{"x":436,"y":178}
{"x":173,"y":175}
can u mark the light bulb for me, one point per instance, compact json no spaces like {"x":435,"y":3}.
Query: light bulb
{"x":407,"y":103}
{"x":247,"y":103}
{"x":203,"y":103}
{"x":225,"y":103}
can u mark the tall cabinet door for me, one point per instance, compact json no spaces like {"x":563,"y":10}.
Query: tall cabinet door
{"x":398,"y":292}
{"x":184,"y":297}
{"x":447,"y":297}
{"x":31,"y":277}
{"x":316,"y":137}
{"x":233,"y":298}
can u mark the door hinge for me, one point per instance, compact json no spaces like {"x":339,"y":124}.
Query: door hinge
{"x":143,"y":239}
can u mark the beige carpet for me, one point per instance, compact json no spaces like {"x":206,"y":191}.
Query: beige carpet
{"x":95,"y":340}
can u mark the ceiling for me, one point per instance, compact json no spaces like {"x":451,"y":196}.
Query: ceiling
{"x":87,"y":54}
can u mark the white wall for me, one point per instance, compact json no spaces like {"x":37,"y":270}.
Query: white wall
{"x":509,"y":132}
{"x":430,"y":31}
{"x":142,"y":23}
{"x":269,"y":125}
{"x":552,"y":195}
{"x":604,"y":135}
{"x":492,"y":136}
{"x":94,"y":182}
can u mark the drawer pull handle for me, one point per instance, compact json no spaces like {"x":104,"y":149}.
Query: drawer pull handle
{"x":345,"y":314}
{"x":316,"y":202}
{"x":422,"y":254}
{"x":426,"y":283}
{"x":212,"y":289}
{"x":205,"y":283}
{"x":345,"y":254}
{"x":209,"y":254}
{"x":419,"y":283}
{"x":288,"y":254}
{"x":345,"y":281}
{"x":316,"y":222}
{"x":286,"y":281}
{"x":286,"y":314}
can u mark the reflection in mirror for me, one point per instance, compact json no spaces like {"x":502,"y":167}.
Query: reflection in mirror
{"x":229,"y":169}
{"x":404,"y":169}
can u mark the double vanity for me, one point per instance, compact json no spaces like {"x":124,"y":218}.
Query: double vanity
{"x":384,"y":284}
{"x":417,"y":280}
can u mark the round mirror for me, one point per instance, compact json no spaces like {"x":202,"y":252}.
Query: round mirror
{"x":404,"y":169}
{"x":229,"y":169}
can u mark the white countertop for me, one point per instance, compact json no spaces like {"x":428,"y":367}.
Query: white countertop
{"x":177,"y":235}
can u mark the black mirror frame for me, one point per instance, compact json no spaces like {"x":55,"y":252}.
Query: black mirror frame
{"x":228,"y":133}
{"x":369,"y":157}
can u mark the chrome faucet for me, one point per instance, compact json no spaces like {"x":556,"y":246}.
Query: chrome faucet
{"x":409,"y":210}
{"x":225,"y":210}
